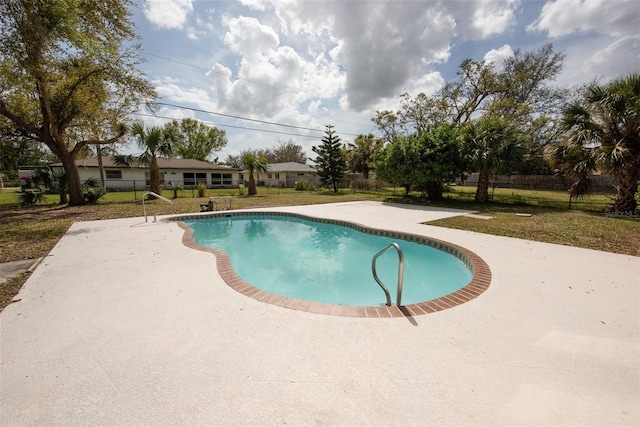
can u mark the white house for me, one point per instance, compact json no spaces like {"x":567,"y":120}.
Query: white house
{"x":185,"y":172}
{"x":286,"y":175}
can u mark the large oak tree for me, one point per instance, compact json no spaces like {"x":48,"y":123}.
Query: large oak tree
{"x":68,"y":75}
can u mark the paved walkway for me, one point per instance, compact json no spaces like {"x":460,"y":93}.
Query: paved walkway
{"x":9,"y":270}
{"x":123,"y":325}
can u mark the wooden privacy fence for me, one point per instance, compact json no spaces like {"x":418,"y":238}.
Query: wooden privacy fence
{"x":599,"y":183}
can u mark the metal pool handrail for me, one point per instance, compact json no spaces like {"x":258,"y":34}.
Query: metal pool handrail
{"x":157,"y":196}
{"x":400,"y":272}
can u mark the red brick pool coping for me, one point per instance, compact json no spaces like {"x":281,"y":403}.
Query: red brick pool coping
{"x":479,"y":282}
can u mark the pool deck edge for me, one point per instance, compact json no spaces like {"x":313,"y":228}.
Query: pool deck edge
{"x":479,"y":283}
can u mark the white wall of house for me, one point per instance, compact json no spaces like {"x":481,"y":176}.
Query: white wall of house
{"x":286,"y":179}
{"x":130,"y":178}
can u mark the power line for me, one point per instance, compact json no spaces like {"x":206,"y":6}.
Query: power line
{"x":248,"y":119}
{"x":244,"y":79}
{"x":235,"y":127}
{"x":238,"y":117}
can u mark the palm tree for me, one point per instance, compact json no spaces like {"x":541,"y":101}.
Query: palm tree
{"x":360,"y":154}
{"x":252,"y":162}
{"x":605,"y":125}
{"x":156,"y":142}
{"x":492,"y":146}
{"x":574,"y":162}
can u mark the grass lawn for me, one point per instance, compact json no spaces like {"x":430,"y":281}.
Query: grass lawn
{"x":31,"y":232}
{"x":583,"y":226}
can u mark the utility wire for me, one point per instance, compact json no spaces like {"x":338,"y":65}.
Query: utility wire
{"x":238,"y":117}
{"x":236,"y":127}
{"x":238,"y":78}
{"x":248,"y":119}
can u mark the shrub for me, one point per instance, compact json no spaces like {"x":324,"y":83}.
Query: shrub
{"x":92,"y":194}
{"x":91,"y":190}
{"x":202,"y":189}
{"x":30,"y":198}
{"x":302,"y":185}
{"x":176,"y":188}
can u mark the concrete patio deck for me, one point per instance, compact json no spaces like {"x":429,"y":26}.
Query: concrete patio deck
{"x":121,"y":324}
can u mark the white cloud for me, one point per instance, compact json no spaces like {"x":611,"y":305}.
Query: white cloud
{"x":255,"y":4}
{"x":498,"y":56}
{"x":378,"y":45}
{"x":168,"y":14}
{"x":192,"y":34}
{"x":489,"y":18}
{"x":369,"y":50}
{"x":610,"y":17}
{"x":603,"y":61}
{"x":617,"y":59}
{"x":176,"y":91}
{"x":248,"y":37}
{"x":313,"y":106}
{"x":201,"y":28}
{"x":428,"y":84}
{"x":272,"y":80}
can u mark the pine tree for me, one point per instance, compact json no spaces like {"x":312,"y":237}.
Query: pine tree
{"x":331,"y":162}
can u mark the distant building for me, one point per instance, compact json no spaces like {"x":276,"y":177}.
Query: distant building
{"x":184,"y":172}
{"x":287,"y":174}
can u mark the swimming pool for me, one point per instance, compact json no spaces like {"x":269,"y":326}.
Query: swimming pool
{"x":284,"y":258}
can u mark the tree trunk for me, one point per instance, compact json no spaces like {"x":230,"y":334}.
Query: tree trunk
{"x":434,"y":190}
{"x":101,"y":169}
{"x":627,"y":186}
{"x":252,"y":191}
{"x":154,"y":176}
{"x":482,"y":192}
{"x":76,"y":196}
{"x":335,"y":185}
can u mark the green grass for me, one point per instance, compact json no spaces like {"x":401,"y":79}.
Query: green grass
{"x":526,"y":198}
{"x":585,"y":225}
{"x":31,"y":232}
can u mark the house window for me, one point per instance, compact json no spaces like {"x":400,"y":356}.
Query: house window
{"x":269,"y":176}
{"x":147,"y":178}
{"x":189,"y":178}
{"x":277,"y":176}
{"x":221,"y":179}
{"x":300,"y":174}
{"x":113,"y":174}
{"x":193,"y":179}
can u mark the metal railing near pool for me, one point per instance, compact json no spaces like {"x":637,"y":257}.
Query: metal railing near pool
{"x":400,"y":272}
{"x":157,"y":196}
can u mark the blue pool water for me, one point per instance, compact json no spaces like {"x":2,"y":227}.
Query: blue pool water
{"x":327,"y":263}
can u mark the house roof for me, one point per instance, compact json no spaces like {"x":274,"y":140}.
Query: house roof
{"x":163,"y":163}
{"x":290,"y":167}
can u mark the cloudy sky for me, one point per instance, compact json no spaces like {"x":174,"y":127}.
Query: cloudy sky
{"x":279,"y":70}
